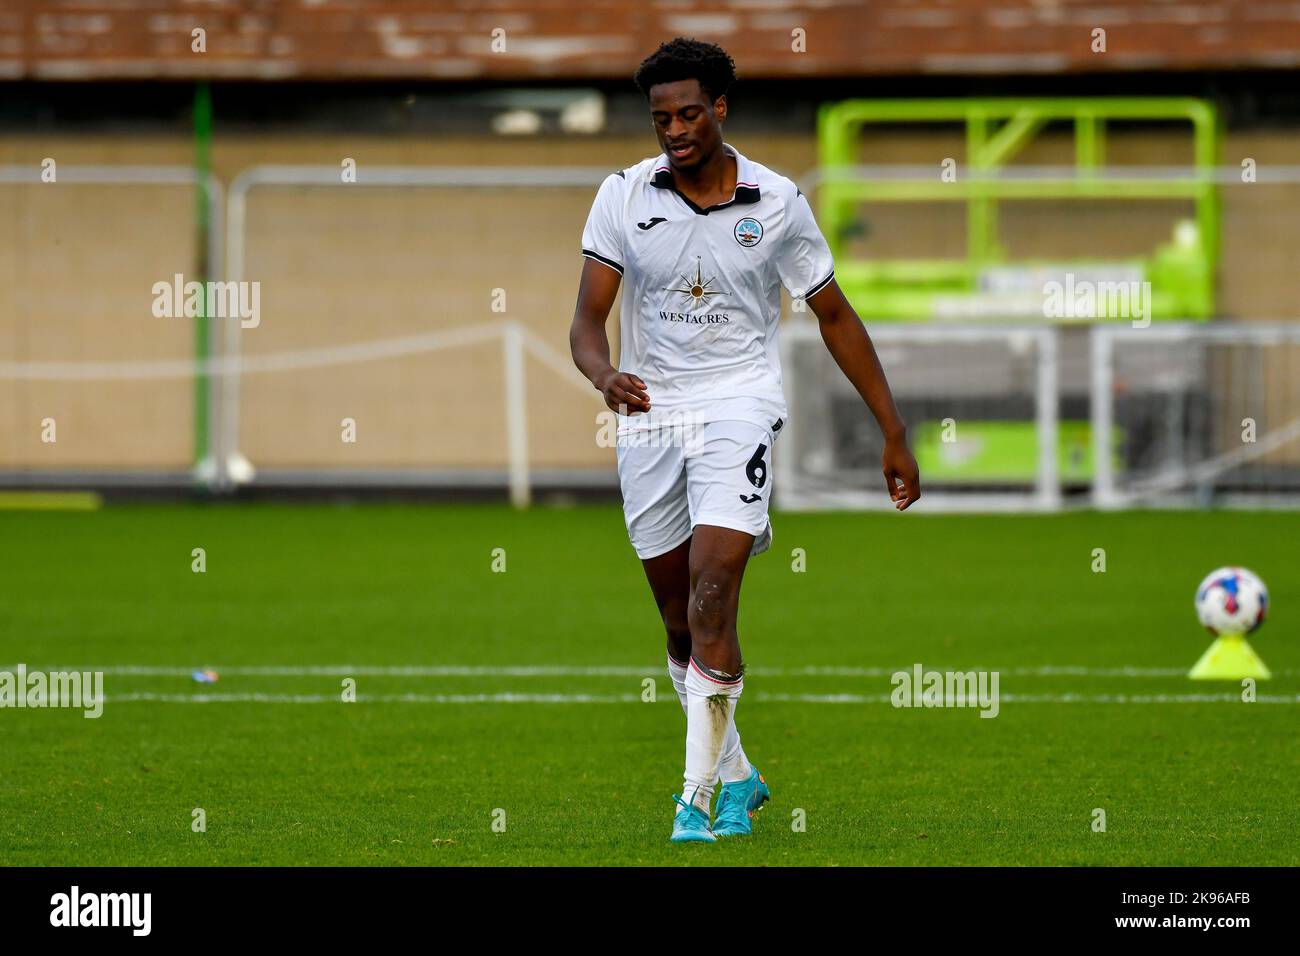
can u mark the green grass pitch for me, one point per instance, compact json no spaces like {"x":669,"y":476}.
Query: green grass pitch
{"x":1096,"y":712}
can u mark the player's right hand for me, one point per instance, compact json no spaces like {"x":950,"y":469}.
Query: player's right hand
{"x":902,"y":478}
{"x":625,"y":393}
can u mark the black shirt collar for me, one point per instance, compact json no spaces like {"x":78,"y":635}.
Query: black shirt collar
{"x":746,"y":183}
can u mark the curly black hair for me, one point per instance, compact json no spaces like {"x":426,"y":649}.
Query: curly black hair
{"x":687,"y":59}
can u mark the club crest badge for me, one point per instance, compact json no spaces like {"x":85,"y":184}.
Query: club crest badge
{"x":749,"y":231}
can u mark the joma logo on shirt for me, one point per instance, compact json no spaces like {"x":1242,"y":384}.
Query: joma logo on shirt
{"x":712,"y":318}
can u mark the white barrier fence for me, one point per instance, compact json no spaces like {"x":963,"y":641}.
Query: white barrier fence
{"x":945,"y":380}
{"x":231,"y":467}
{"x":1195,"y":414}
{"x":1038,"y":418}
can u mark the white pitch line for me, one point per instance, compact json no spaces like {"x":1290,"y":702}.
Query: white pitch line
{"x":361,"y":670}
{"x":509,"y":698}
{"x":1225,"y":698}
{"x":505,"y":698}
{"x":366,"y":670}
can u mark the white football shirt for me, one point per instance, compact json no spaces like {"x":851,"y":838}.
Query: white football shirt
{"x":701,"y":287}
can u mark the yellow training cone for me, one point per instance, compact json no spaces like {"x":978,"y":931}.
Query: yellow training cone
{"x":1230,"y":657}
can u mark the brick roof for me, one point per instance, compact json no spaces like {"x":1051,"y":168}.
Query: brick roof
{"x":605,"y":39}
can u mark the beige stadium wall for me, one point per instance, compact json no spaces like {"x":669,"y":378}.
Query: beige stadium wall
{"x":351,"y":266}
{"x":77,"y":264}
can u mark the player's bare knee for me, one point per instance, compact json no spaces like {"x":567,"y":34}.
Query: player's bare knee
{"x":679,"y":641}
{"x":712,"y":609}
{"x":673,"y":612}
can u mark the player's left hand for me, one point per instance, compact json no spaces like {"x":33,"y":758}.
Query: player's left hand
{"x":900,"y":466}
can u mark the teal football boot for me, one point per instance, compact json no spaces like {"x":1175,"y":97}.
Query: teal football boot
{"x":737,"y":803}
{"x":691,"y":825}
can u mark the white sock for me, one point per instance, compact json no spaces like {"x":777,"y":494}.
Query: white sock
{"x":677,"y":674}
{"x":710,"y":704}
{"x":733,"y":765}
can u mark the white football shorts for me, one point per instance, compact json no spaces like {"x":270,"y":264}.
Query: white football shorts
{"x":678,"y":476}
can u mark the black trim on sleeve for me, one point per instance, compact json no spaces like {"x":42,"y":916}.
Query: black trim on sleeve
{"x":599,"y":258}
{"x":819,"y":286}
